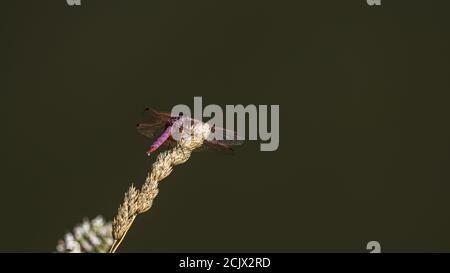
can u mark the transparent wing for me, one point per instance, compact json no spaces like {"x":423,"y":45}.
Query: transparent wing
{"x":152,"y":116}
{"x":154,"y":122}
{"x":150,"y":130}
{"x":225,"y":137}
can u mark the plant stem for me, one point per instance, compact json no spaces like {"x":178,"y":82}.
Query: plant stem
{"x":116,"y":243}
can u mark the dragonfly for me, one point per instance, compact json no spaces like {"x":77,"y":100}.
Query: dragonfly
{"x":161,"y":125}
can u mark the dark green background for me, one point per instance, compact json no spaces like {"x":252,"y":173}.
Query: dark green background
{"x":364,"y":137}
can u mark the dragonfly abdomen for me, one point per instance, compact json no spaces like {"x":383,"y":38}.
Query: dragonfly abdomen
{"x":160,"y":141}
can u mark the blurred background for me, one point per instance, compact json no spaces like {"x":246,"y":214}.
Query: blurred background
{"x":364,"y":140}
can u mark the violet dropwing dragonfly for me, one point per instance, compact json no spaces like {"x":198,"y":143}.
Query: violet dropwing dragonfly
{"x":160,"y":126}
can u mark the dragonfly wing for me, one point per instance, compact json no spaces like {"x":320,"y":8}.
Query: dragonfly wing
{"x":149,"y":130}
{"x":225,"y":137}
{"x":150,"y":115}
{"x":154,"y":122}
{"x":217,"y":146}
